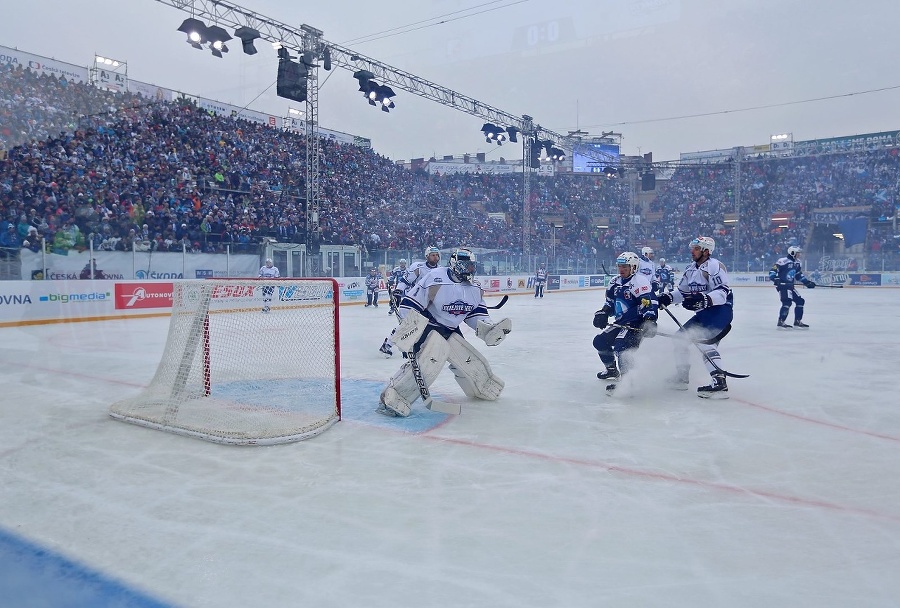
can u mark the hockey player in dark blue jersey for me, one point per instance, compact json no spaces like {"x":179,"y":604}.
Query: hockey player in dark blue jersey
{"x":632,"y":304}
{"x":785,"y":273}
{"x":665,"y":274}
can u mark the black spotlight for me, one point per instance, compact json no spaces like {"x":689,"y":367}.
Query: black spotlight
{"x":511,"y":131}
{"x":217,"y":37}
{"x":384,"y":94}
{"x":326,"y":58}
{"x":196,"y":32}
{"x":493,"y":133}
{"x":247,"y":35}
{"x":363,"y":76}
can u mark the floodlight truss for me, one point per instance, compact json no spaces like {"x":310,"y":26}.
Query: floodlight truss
{"x":299,"y":40}
{"x":309,"y":39}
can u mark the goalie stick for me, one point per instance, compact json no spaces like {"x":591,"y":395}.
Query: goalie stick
{"x":499,"y":304}
{"x":702,"y":352}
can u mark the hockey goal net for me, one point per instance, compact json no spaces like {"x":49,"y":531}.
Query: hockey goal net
{"x":247,"y":361}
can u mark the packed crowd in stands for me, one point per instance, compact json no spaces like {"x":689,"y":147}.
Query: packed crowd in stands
{"x":82,"y":167}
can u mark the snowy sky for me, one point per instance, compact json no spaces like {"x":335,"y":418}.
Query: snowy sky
{"x":642,"y":68}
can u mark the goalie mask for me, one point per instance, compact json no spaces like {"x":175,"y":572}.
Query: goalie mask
{"x":462,"y":264}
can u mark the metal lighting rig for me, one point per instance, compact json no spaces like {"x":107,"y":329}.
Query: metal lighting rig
{"x":307,"y":42}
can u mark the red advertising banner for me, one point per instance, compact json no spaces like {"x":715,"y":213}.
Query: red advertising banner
{"x":143,"y":295}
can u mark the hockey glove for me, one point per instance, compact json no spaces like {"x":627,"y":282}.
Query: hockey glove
{"x":649,"y":328}
{"x":601,"y":319}
{"x":493,"y":333}
{"x":810,"y":284}
{"x":697,"y":301}
{"x":665,"y":299}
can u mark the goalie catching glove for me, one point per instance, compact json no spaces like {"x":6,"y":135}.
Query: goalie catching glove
{"x":696,"y":301}
{"x":493,"y":333}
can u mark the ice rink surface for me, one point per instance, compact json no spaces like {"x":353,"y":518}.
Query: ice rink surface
{"x":787,"y":494}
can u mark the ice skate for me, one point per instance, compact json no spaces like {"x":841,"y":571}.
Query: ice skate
{"x":800,"y":325}
{"x":611,"y":373}
{"x":717,"y":389}
{"x":783,"y":325}
{"x":265,"y":309}
{"x":386,"y":348}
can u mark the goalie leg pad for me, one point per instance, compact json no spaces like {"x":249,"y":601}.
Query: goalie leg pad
{"x":403,"y":389}
{"x":472,"y":371}
{"x":410,"y":330}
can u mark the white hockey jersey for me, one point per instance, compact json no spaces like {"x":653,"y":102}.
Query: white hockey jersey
{"x":709,"y":278}
{"x":269,"y":272}
{"x":452,"y":302}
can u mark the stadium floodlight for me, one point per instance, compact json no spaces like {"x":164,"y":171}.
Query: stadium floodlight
{"x":217,"y":37}
{"x":363,"y":76}
{"x":557,"y":154}
{"x":384,"y":94}
{"x":493,"y":133}
{"x":247,"y":35}
{"x":196,"y":32}
{"x":376,"y":94}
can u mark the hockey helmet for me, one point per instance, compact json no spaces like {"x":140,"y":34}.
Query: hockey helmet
{"x":646,"y":251}
{"x":662,"y":261}
{"x":462,"y":263}
{"x":793,"y":250}
{"x":403,"y":262}
{"x":430,"y":250}
{"x":268,"y":261}
{"x":704,"y":243}
{"x":630,"y":259}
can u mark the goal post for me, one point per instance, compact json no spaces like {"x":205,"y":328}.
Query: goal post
{"x":246,"y":362}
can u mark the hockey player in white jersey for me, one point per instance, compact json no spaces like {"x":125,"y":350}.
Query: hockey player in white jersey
{"x":648,"y":267}
{"x":704,"y":289}
{"x":434,"y":310}
{"x":632,"y":304}
{"x":268,"y":271}
{"x":392,"y":285}
{"x":404,"y":283}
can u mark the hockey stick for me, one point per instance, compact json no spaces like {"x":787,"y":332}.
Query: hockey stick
{"x":830,"y":286}
{"x":499,"y":304}
{"x":605,"y":271}
{"x":708,"y":341}
{"x":702,"y":352}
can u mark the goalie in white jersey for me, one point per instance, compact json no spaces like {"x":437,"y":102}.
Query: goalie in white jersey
{"x":704,"y":289}
{"x":430,"y":332}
